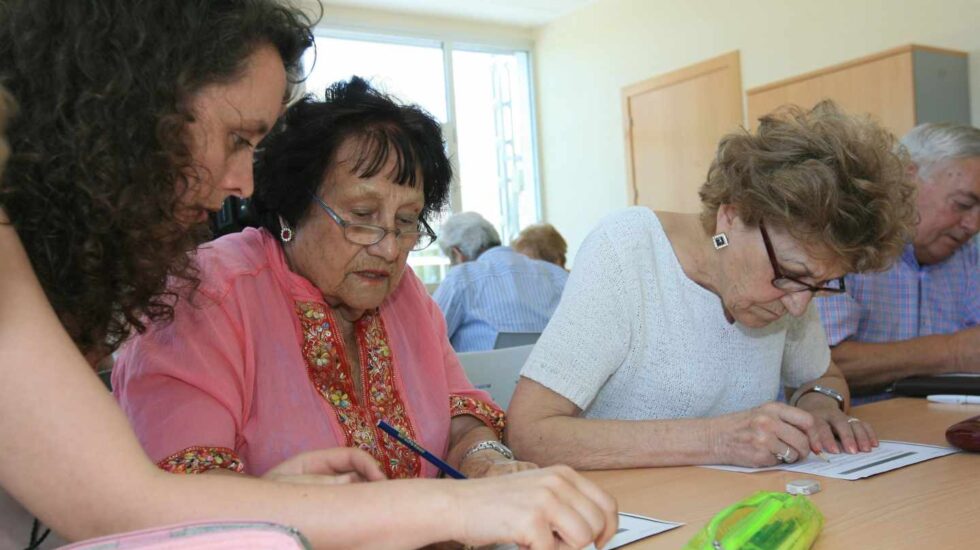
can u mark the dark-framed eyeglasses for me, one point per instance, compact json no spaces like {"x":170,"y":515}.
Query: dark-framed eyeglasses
{"x":366,"y":235}
{"x":790,"y":284}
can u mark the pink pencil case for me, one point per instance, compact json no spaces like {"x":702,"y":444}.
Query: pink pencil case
{"x":203,"y":535}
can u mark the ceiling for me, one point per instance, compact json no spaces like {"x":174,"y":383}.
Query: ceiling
{"x":526,"y":13}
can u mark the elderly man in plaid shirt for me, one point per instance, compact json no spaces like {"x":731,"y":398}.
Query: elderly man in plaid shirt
{"x":921,"y":317}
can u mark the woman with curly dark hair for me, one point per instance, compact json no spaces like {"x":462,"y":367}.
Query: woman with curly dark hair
{"x":135,"y":119}
{"x":104,"y":230}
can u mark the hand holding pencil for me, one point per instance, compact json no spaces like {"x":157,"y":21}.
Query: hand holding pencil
{"x":538,"y":508}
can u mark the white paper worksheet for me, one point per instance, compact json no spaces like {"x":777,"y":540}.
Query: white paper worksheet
{"x":889,"y":455}
{"x":631,"y":528}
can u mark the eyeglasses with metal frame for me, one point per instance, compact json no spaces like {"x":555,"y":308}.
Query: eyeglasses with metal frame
{"x":364,"y":234}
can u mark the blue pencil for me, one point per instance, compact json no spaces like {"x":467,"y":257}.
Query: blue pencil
{"x":419,"y":450}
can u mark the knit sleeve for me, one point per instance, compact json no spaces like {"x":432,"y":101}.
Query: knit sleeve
{"x":588,"y":337}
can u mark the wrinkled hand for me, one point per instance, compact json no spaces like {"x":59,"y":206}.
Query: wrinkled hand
{"x":829,"y":421}
{"x":543,"y":508}
{"x":328,"y":467}
{"x":754,"y":437}
{"x":488,"y":463}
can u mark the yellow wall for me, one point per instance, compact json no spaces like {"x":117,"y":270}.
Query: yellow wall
{"x":584,"y":59}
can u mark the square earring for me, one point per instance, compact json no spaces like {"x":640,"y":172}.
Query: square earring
{"x":720,"y":241}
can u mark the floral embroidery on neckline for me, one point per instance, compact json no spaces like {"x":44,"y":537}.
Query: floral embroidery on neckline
{"x":330,"y":373}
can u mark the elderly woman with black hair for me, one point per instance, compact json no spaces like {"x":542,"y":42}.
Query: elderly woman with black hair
{"x":312,"y":329}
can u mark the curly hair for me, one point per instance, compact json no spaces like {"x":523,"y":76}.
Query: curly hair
{"x":6,"y":107}
{"x":297,"y":155}
{"x":99,"y":148}
{"x":831,"y":180}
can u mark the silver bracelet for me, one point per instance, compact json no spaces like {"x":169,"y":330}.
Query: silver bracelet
{"x":492,"y":445}
{"x":829,"y":392}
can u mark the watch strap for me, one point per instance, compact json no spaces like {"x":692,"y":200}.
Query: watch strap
{"x":829,"y":392}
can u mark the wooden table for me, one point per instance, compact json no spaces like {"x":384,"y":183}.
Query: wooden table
{"x":933,"y":504}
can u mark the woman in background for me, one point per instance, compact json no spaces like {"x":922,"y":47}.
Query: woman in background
{"x":542,"y":241}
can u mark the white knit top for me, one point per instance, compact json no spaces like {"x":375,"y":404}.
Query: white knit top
{"x":634,"y":338}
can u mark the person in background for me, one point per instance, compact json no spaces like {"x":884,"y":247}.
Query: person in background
{"x":492,"y":288}
{"x":542,"y":241}
{"x":676,"y":331}
{"x":134,"y":121}
{"x":921,"y":316}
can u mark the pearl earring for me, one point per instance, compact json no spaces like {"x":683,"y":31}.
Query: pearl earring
{"x":285,"y":234}
{"x":720,"y":241}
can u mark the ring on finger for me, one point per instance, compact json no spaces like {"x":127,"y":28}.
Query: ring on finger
{"x":785,"y":455}
{"x":852,"y":419}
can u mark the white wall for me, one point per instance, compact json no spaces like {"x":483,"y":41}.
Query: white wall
{"x":584,"y":60}
{"x":437,"y":28}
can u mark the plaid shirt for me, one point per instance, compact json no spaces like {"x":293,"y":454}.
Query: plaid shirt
{"x":907,"y":301}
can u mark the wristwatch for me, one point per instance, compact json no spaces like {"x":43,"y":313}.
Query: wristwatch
{"x":492,"y":445}
{"x":829,"y":392}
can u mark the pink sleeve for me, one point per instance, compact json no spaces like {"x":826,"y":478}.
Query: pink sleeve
{"x":185,"y":386}
{"x":463,"y":397}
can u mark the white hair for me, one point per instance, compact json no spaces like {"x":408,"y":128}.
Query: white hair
{"x":931,"y":142}
{"x":470,"y":233}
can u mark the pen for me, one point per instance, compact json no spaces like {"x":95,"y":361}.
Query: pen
{"x":419,"y":450}
{"x":957,"y":399}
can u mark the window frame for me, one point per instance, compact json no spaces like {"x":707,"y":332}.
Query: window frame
{"x":448,"y":46}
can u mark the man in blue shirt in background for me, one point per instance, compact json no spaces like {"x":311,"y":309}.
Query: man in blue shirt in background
{"x":921,"y":316}
{"x":491,"y":288}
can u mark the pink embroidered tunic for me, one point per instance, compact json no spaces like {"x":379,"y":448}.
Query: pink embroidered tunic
{"x":253,"y":371}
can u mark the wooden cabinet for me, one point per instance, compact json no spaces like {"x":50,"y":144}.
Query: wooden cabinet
{"x":901,"y":87}
{"x":673,"y":123}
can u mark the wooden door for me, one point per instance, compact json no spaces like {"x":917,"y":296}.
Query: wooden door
{"x":880,"y":85}
{"x":673,"y":123}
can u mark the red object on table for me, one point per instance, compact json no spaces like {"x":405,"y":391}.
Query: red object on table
{"x":965,"y":434}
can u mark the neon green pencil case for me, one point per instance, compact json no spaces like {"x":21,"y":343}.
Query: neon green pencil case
{"x":763,"y":521}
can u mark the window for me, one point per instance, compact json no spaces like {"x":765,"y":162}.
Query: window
{"x":482,"y":97}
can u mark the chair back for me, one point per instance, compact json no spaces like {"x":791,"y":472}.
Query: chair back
{"x":496,"y":371}
{"x":514,"y":339}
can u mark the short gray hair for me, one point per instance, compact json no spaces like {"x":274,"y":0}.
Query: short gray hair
{"x":470,"y":233}
{"x":933,"y":142}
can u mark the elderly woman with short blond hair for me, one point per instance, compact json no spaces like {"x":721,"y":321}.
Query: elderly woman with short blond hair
{"x":542,"y":241}
{"x":672,"y":338}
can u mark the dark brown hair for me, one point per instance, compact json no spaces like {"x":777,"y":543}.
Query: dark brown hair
{"x":831,"y":180}
{"x":98,"y":149}
{"x":299,"y":153}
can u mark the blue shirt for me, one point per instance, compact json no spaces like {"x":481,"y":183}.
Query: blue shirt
{"x":501,"y":291}
{"x":907,"y":301}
